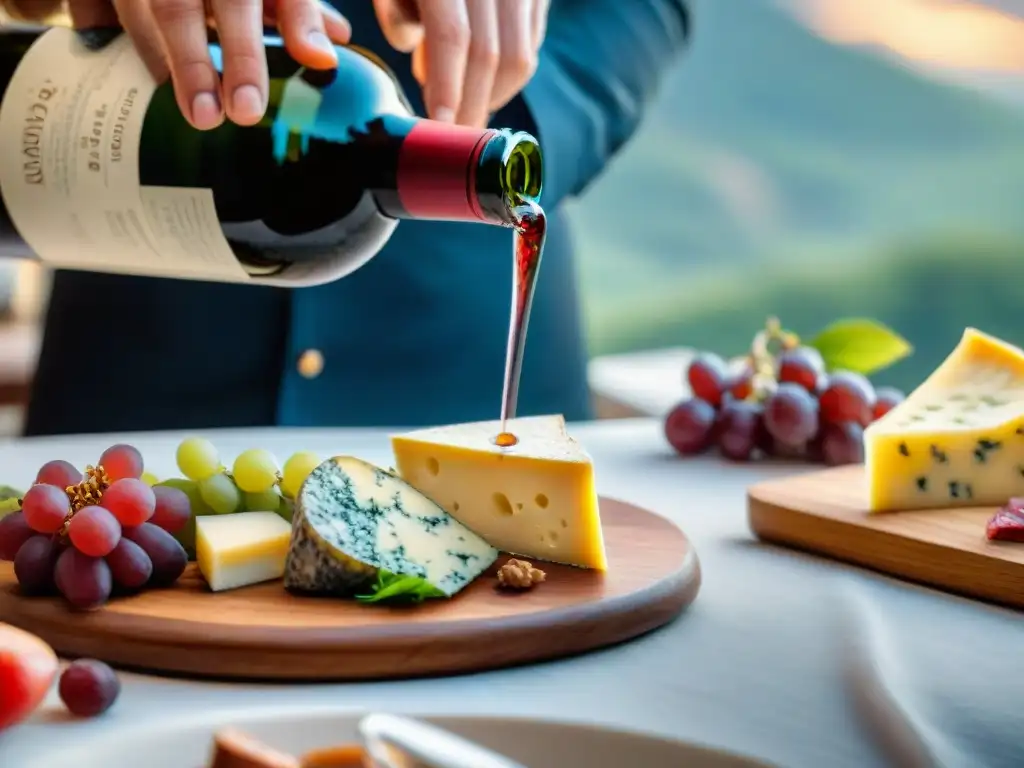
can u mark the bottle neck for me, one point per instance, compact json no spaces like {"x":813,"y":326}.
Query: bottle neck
{"x":454,"y":173}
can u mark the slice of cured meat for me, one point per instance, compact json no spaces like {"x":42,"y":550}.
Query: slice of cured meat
{"x":1007,"y":524}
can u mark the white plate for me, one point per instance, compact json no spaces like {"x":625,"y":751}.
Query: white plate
{"x":537,"y":744}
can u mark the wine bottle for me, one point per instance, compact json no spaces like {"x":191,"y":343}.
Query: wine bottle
{"x":101,"y":171}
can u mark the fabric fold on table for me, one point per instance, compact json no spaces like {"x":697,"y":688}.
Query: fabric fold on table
{"x":931,"y":690}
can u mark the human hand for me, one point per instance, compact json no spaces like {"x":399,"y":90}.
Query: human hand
{"x":470,"y":56}
{"x":171,"y":37}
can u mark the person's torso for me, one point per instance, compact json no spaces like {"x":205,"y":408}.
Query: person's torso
{"x":417,"y":336}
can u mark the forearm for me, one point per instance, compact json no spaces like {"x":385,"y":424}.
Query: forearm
{"x":600,"y":65}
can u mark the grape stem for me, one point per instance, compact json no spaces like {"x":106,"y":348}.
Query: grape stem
{"x":765,"y":349}
{"x":231,"y":477}
{"x":84,"y":494}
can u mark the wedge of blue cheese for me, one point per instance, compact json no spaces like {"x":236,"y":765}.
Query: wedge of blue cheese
{"x":352,"y":519}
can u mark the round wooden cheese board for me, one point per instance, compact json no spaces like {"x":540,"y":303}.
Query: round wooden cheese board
{"x":263,"y":632}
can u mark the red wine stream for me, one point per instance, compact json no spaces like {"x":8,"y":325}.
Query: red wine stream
{"x":527,"y":249}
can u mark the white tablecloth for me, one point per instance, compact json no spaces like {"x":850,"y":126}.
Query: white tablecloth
{"x":648,"y":383}
{"x":797,"y":660}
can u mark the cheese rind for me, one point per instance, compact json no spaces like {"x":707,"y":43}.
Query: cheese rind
{"x":536,"y":498}
{"x":352,"y":519}
{"x":241,"y":549}
{"x":958,"y":439}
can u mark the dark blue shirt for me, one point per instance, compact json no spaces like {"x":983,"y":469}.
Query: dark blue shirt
{"x":415,"y":337}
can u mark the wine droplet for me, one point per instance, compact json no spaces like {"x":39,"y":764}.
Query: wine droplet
{"x":505,"y":440}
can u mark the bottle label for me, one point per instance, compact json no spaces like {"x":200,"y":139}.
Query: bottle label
{"x":71,"y":125}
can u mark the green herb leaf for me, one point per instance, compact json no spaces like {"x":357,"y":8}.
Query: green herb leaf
{"x":10,"y":500}
{"x":860,"y":345}
{"x":395,"y":588}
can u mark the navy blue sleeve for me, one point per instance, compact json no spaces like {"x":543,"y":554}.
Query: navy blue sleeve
{"x":599,"y":66}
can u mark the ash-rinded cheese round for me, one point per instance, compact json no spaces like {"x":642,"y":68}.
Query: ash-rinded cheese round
{"x":352,"y":518}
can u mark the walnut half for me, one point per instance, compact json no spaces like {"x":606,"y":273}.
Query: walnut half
{"x":519,"y":574}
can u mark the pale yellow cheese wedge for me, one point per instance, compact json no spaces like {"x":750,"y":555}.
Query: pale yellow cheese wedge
{"x":958,"y":439}
{"x":241,"y":549}
{"x":535,"y":499}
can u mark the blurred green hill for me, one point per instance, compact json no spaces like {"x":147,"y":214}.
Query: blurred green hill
{"x":927,"y":291}
{"x":780,"y":174}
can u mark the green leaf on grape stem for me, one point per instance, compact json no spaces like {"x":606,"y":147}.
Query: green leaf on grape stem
{"x":10,"y":500}
{"x":395,"y":588}
{"x":860,"y":345}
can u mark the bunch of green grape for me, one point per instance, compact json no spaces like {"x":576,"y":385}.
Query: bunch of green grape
{"x":255,"y":483}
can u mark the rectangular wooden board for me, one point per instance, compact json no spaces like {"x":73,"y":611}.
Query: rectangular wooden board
{"x":825,"y":512}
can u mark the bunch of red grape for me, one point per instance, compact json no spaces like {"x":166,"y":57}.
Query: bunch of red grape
{"x":793,"y":409}
{"x":87,"y":535}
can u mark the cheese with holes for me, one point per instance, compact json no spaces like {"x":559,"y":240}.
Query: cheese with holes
{"x":352,"y":519}
{"x":535,"y":498}
{"x":241,"y":549}
{"x":958,"y":439}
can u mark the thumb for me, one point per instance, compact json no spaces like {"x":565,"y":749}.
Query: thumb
{"x":141,"y":27}
{"x":97,"y":20}
{"x":400,"y":22}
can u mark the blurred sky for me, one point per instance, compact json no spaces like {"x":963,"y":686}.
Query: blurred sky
{"x":975,"y":42}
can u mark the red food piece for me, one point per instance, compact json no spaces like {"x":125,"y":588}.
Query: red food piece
{"x":739,"y":428}
{"x":708,"y":376}
{"x":94,"y":531}
{"x":34,"y":564}
{"x":173,"y":509}
{"x":842,"y":443}
{"x":791,"y":415}
{"x":14,"y":532}
{"x":60,"y":473}
{"x":803,"y":366}
{"x":88,"y":687}
{"x":848,"y":397}
{"x":165,"y":552}
{"x":85,"y":581}
{"x":45,"y":507}
{"x":130,"y":566}
{"x":763,"y":439}
{"x":689,"y":427}
{"x":130,"y":500}
{"x":28,"y":667}
{"x":886,"y":399}
{"x":122,"y":460}
{"x":740,"y":385}
{"x":813,"y":450}
{"x":1007,"y":524}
